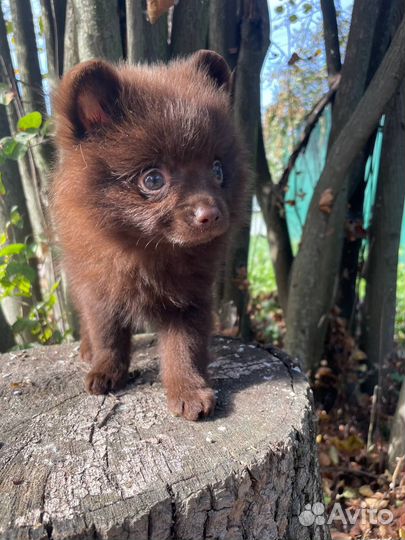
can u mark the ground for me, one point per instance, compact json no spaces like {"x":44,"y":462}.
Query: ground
{"x":354,"y":473}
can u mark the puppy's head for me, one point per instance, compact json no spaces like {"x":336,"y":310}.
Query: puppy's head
{"x":160,"y":154}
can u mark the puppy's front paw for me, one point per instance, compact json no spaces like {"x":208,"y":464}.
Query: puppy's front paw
{"x":101,"y":381}
{"x":191,"y":403}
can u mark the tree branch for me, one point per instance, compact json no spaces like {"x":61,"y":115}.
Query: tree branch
{"x":331,"y":38}
{"x":312,"y":120}
{"x":277,"y":231}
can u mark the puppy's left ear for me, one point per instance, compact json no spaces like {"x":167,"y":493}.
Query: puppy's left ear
{"x":214,"y":65}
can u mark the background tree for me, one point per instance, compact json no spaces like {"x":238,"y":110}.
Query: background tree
{"x":311,"y":297}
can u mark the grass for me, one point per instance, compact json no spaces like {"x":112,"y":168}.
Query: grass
{"x":400,"y":314}
{"x":261,"y":274}
{"x":262,"y":281}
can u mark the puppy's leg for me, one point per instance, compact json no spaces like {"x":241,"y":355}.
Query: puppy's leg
{"x":109,"y":342}
{"x":184,"y":340}
{"x":85,"y":343}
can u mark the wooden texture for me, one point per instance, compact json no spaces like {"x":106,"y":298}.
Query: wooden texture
{"x":75,"y":466}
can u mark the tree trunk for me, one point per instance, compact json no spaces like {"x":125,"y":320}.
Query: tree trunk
{"x":97,"y":29}
{"x":31,"y":83}
{"x":254,"y":41}
{"x":71,"y":47}
{"x":355,"y":72}
{"x":6,"y":335}
{"x":311,"y":289}
{"x":331,"y":38}
{"x":397,"y":438}
{"x":346,"y":297}
{"x":78,"y":466}
{"x":28,"y":175}
{"x":190,"y":27}
{"x":224,"y":36}
{"x":386,"y":24}
{"x":27,"y":56}
{"x":145,"y":42}
{"x":382,"y":267}
{"x":53,"y":16}
{"x":271,"y":200}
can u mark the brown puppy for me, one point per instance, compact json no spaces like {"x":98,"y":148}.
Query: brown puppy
{"x":150,"y":181}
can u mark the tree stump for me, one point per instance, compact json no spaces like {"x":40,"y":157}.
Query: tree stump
{"x":120,"y":467}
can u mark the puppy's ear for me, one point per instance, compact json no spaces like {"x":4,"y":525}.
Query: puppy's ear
{"x":214,"y":65}
{"x":87,"y":99}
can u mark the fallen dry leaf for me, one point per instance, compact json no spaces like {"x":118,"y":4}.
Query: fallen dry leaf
{"x":337,"y":535}
{"x":386,"y":531}
{"x":350,"y":445}
{"x":156,"y":8}
{"x":376,"y":504}
{"x":366,"y":491}
{"x":326,"y":201}
{"x":324,"y":459}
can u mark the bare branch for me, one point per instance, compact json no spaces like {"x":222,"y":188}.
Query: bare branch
{"x":331,"y":37}
{"x":312,"y":120}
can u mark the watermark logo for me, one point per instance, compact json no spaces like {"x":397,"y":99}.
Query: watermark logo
{"x":314,"y":514}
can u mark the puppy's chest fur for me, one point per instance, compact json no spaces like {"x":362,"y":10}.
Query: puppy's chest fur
{"x":141,"y":285}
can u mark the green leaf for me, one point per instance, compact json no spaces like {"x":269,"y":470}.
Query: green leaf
{"x":12,"y":249}
{"x":32,"y":120}
{"x":51,"y":301}
{"x":46,"y":335}
{"x":3,"y":238}
{"x":25,"y":324}
{"x":2,"y":186}
{"x":12,"y":149}
{"x":307,"y":8}
{"x":16,"y":218}
{"x":21,"y":269}
{"x":9,"y":27}
{"x":54,"y":286}
{"x":19,"y":286}
{"x":41,"y":25}
{"x":279,"y":9}
{"x":293,"y":18}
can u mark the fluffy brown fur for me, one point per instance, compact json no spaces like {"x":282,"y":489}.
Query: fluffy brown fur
{"x":133,"y":253}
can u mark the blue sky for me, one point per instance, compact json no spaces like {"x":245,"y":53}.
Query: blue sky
{"x":280,"y":35}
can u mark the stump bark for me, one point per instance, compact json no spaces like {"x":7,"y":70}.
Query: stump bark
{"x":120,"y":467}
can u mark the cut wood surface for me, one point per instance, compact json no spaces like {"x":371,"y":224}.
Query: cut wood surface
{"x":118,"y":467}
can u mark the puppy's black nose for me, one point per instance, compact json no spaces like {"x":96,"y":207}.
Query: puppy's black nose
{"x":206,"y":215}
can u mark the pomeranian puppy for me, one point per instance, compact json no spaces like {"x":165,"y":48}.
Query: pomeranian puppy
{"x":150,"y":181}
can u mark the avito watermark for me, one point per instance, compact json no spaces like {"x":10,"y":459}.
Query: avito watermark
{"x":315,"y":514}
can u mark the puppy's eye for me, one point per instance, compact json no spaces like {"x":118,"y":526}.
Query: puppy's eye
{"x":153,"y":180}
{"x":218,"y":172}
